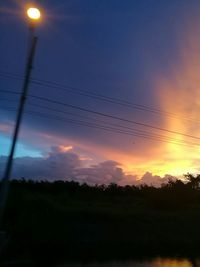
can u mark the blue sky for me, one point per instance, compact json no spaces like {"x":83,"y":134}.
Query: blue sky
{"x":21,"y":149}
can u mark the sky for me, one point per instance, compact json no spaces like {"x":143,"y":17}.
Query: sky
{"x":114,"y":95}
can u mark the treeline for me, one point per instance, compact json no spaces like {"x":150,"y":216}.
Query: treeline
{"x":175,"y":193}
{"x":68,"y":219}
{"x":191,"y":182}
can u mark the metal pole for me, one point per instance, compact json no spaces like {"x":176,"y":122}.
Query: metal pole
{"x":5,"y":181}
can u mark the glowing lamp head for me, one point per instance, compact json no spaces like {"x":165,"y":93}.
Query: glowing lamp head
{"x":33,"y":13}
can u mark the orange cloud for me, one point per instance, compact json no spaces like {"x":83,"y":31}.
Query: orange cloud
{"x":65,"y":148}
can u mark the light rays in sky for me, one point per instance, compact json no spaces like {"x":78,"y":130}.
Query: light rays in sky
{"x":180,"y":94}
{"x":177,"y":93}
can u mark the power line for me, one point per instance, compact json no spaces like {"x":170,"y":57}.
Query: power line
{"x":112,"y":116}
{"x":10,"y":92}
{"x":163,"y":137}
{"x":9,"y":100}
{"x":101,"y":97}
{"x":109,"y":123}
{"x":103,"y":127}
{"x":83,"y":92}
{"x":105,"y":115}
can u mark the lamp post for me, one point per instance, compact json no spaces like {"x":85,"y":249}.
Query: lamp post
{"x":33,"y":16}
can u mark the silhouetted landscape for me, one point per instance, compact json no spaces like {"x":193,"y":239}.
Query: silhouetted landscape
{"x":99,"y":122}
{"x":68,"y":220}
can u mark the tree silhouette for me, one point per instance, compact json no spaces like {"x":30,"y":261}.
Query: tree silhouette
{"x":193,"y":181}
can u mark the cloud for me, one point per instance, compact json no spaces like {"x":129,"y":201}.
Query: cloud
{"x":57,"y":165}
{"x":64,"y":164}
{"x":60,"y":149}
{"x":6,"y":128}
{"x":103,"y":173}
{"x":154,"y":180}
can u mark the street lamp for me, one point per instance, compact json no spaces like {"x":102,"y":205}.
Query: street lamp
{"x":34,"y":15}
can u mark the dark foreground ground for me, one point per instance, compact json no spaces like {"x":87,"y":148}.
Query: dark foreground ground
{"x":50,"y":222}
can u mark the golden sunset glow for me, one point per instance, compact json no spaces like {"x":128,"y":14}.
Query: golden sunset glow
{"x":180,"y":95}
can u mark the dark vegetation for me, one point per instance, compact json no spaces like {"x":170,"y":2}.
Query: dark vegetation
{"x":73,"y":221}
